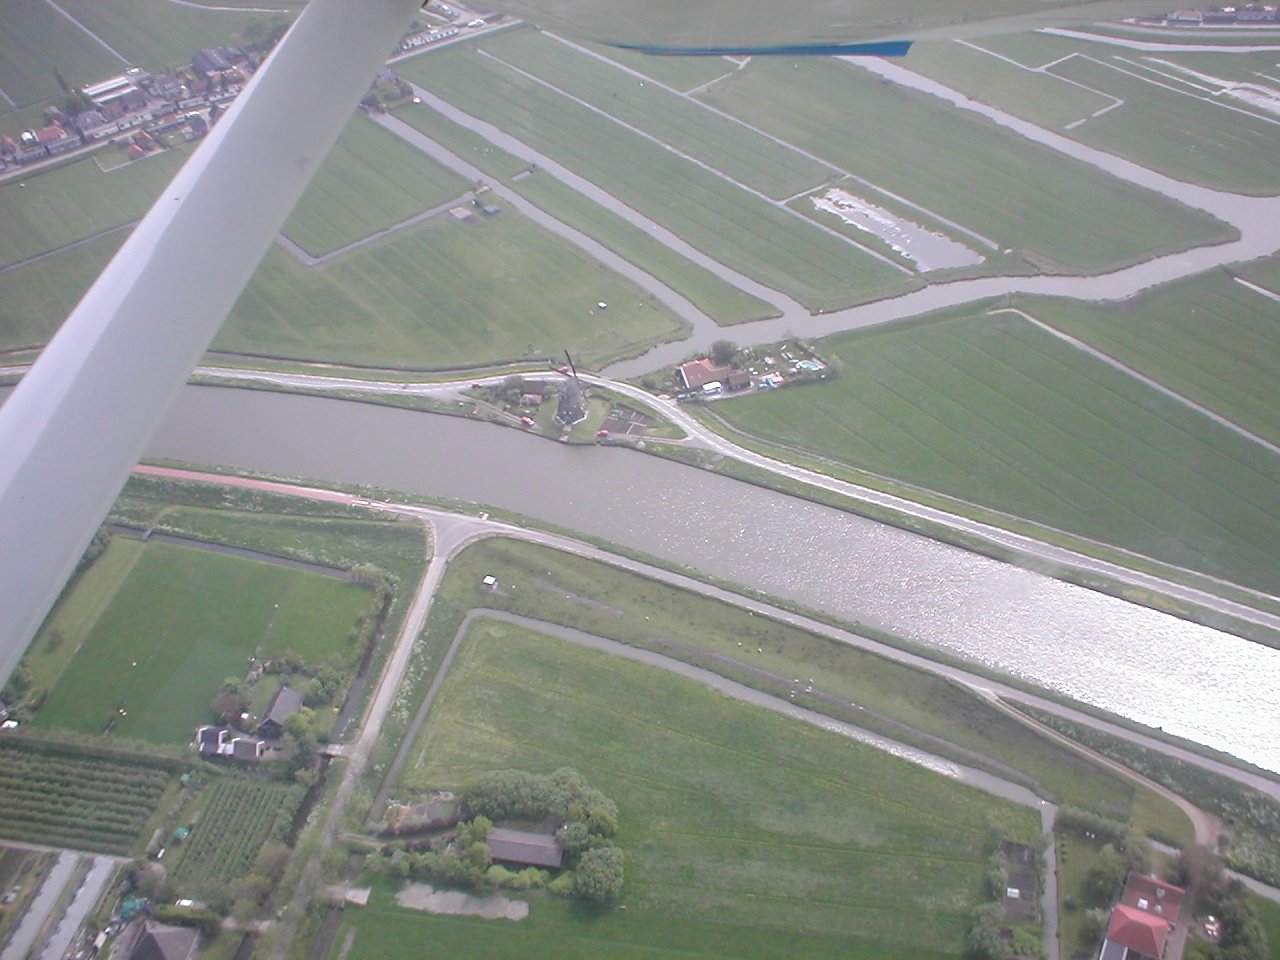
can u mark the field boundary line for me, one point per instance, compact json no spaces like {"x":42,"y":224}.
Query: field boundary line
{"x":27,"y":261}
{"x":1143,"y":378}
{"x":298,"y":253}
{"x":808,"y":155}
{"x":108,"y":47}
{"x":1269,"y":294}
{"x":701,"y":164}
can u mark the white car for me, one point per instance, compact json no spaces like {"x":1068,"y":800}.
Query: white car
{"x":475,"y":23}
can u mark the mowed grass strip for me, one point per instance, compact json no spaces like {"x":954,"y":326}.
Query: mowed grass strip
{"x":48,"y":209}
{"x":36,"y":40}
{"x":181,"y":622}
{"x":743,"y":231}
{"x":740,"y":153}
{"x":370,"y":181}
{"x":36,"y":298}
{"x":442,"y":295}
{"x":1015,"y":192}
{"x":1210,"y":339}
{"x":728,"y":813}
{"x":989,"y":409}
{"x":717,"y":298}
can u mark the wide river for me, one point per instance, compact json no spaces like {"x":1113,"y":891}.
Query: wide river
{"x":1199,"y":683}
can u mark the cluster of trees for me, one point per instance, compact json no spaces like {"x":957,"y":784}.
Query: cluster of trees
{"x":563,"y":796}
{"x":594,"y":866}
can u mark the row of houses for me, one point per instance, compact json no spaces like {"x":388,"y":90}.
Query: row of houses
{"x":1250,"y":13}
{"x":135,"y":99}
{"x":220,"y":741}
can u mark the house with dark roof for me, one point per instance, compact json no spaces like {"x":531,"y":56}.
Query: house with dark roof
{"x":158,"y":941}
{"x":1143,"y":923}
{"x":286,"y":702}
{"x":209,"y":61}
{"x":522,"y":848}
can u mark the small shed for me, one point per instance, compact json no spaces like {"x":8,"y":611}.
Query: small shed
{"x":524,"y":848}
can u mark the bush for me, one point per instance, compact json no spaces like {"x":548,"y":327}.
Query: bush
{"x":598,"y":876}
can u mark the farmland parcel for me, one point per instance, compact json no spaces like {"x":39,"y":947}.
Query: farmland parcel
{"x":1045,"y":431}
{"x":780,"y":832}
{"x":181,"y":621}
{"x":1019,"y":194}
{"x":743,"y":230}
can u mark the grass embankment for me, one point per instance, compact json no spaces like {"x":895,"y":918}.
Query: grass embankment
{"x":776,"y":834}
{"x":1253,"y":818}
{"x":370,"y":181}
{"x":1218,"y":141}
{"x":891,"y":699}
{"x":717,"y":298}
{"x":1044,"y":432}
{"x":744,"y":231}
{"x":973,"y":172}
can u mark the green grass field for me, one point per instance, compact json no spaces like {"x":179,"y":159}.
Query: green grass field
{"x":445,"y":294}
{"x":973,"y":172}
{"x":36,"y":41}
{"x":1044,"y":432}
{"x":179,"y":622}
{"x":679,"y":73}
{"x":1037,"y":97}
{"x":36,"y":298}
{"x":741,"y":230}
{"x":371,"y":180}
{"x":892,"y":699}
{"x":729,"y":814}
{"x":725,"y":145}
{"x":156,"y":34}
{"x":719,"y":299}
{"x":1211,"y":143}
{"x":1207,"y":139}
{"x":1210,"y":339}
{"x":78,"y":200}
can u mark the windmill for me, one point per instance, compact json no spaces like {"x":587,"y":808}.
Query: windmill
{"x":573,"y":401}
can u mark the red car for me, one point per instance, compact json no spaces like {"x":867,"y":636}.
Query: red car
{"x":527,"y":421}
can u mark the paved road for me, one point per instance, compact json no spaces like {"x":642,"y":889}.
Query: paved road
{"x":86,"y":897}
{"x":40,"y":907}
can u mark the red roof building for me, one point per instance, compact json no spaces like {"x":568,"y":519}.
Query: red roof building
{"x":1138,"y":931}
{"x":1142,"y":923}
